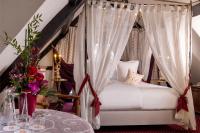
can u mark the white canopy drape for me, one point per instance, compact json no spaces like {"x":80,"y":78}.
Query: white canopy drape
{"x":108,"y":30}
{"x":79,"y":64}
{"x":168,"y":32}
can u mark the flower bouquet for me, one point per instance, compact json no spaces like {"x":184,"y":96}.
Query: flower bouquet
{"x":25,"y":76}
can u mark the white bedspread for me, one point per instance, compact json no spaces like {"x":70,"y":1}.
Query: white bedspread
{"x":120,"y":96}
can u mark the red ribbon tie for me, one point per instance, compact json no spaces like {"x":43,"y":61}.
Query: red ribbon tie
{"x":182,"y":101}
{"x":96,"y":105}
{"x":96,"y":102}
{"x":182,"y":104}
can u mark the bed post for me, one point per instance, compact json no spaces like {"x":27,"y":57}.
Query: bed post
{"x":190,"y":54}
{"x":150,"y":69}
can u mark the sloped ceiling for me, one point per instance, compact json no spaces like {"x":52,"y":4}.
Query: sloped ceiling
{"x":14,"y":14}
{"x":196,"y":24}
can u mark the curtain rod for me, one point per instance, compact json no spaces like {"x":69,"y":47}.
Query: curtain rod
{"x":169,"y":1}
{"x":164,"y":1}
{"x":191,"y":2}
{"x":112,"y":2}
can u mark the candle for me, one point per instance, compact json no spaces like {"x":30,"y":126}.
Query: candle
{"x":59,"y":56}
{"x":55,"y":56}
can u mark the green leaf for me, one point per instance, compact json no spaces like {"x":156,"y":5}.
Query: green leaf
{"x":31,"y":36}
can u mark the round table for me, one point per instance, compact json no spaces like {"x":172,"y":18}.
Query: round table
{"x":61,"y":122}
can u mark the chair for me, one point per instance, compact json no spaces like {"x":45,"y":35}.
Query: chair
{"x":43,"y":103}
{"x":75,"y":99}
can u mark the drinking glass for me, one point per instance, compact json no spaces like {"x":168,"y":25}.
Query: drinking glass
{"x":7,"y":114}
{"x":37,"y":121}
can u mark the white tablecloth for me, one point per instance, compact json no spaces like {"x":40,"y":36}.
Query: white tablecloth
{"x":61,"y":122}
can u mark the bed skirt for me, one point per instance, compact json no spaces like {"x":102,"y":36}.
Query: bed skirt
{"x":137,"y":117}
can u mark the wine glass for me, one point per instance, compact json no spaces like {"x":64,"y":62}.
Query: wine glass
{"x":37,"y":123}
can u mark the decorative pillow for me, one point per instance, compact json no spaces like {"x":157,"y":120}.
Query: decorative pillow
{"x":133,"y":78}
{"x":123,"y":68}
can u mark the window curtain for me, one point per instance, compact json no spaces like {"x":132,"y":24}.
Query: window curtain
{"x":65,"y":46}
{"x":138,"y":48}
{"x":108,"y":29}
{"x":132,"y":48}
{"x":168,"y":31}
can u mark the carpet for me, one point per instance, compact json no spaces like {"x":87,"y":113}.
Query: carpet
{"x":148,"y":129}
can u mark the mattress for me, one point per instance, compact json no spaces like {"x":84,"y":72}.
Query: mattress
{"x":120,"y":96}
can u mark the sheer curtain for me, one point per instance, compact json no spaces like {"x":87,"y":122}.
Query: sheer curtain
{"x":79,"y":64}
{"x":108,"y":29}
{"x":65,"y":46}
{"x":138,"y":48}
{"x":145,"y":56}
{"x":168,"y":31}
{"x":132,"y":48}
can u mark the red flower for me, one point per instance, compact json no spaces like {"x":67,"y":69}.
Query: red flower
{"x":32,"y":70}
{"x":39,"y":76}
{"x":34,"y":50}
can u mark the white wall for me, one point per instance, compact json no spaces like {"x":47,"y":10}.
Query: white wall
{"x":195,"y":69}
{"x":47,"y":60}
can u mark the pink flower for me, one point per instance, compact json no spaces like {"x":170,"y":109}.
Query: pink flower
{"x":35,"y":87}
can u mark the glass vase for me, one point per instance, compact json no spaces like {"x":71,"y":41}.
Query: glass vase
{"x":23,"y":117}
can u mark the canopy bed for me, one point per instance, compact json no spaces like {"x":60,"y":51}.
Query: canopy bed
{"x":143,"y":104}
{"x":102,"y":35}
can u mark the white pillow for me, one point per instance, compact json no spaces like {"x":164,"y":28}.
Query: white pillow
{"x":133,"y":78}
{"x":114,"y":76}
{"x":123,"y":67}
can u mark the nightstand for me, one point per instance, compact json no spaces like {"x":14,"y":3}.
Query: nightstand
{"x":58,"y":82}
{"x":162,"y":82}
{"x":196,"y":98}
